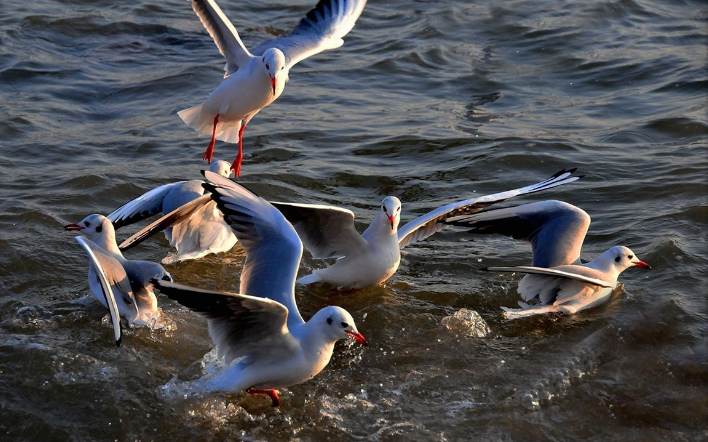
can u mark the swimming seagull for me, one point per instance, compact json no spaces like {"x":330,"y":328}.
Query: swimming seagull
{"x":201,"y":233}
{"x":557,"y":281}
{"x":255,"y":78}
{"x":260,"y":334}
{"x":374,"y":256}
{"x":123,"y":286}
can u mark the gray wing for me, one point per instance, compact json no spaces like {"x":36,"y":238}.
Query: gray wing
{"x":142,"y":207}
{"x":110,"y":273}
{"x":555,"y":229}
{"x":426,"y":225}
{"x":273,"y":249}
{"x":224,"y":34}
{"x":240,"y":325}
{"x":321,"y":29}
{"x":552,"y":272}
{"x":175,"y":217}
{"x":326,"y":231}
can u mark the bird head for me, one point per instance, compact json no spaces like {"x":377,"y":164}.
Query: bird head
{"x":391,"y":209}
{"x":221,"y":167}
{"x":623,"y":258}
{"x":338,"y":324}
{"x":94,"y":226}
{"x":273,"y":61}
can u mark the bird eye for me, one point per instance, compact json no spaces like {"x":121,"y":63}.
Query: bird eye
{"x":345,"y":325}
{"x":629,"y":256}
{"x":329,"y":320}
{"x":282,"y":68}
{"x":267,"y":67}
{"x":99,"y":229}
{"x":384,"y":209}
{"x":617,"y":259}
{"x":88,"y":224}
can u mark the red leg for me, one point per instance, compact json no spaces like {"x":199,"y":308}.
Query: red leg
{"x":236,"y":166}
{"x":210,"y":150}
{"x":272,"y":393}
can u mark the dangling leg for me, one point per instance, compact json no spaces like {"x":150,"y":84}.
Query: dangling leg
{"x":210,"y":150}
{"x":236,"y":165}
{"x":272,"y":393}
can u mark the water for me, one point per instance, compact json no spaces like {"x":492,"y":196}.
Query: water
{"x":431,"y":101}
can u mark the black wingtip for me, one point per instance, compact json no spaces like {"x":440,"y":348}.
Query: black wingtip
{"x":118,"y":342}
{"x":484,"y":269}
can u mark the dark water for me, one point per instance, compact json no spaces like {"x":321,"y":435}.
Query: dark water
{"x":431,"y":101}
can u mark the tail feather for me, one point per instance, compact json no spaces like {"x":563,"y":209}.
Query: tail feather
{"x":203,"y":122}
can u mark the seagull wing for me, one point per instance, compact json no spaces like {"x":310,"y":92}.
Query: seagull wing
{"x":273,"y":249}
{"x":555,"y":273}
{"x":321,"y":29}
{"x":240,"y":325}
{"x":426,"y":225}
{"x":110,"y":274}
{"x":555,"y":229}
{"x":224,"y":34}
{"x":142,"y":207}
{"x":175,"y":217}
{"x":326,"y":231}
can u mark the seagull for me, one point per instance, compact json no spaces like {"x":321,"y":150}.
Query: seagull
{"x":200,"y":234}
{"x":254,"y":79}
{"x":373,"y":257}
{"x":265,"y":343}
{"x":557,"y":280}
{"x":121,"y":285}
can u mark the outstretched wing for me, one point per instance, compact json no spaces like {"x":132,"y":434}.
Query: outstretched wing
{"x":555,"y":229}
{"x":110,"y":273}
{"x":224,"y":34}
{"x":321,"y":29}
{"x":326,"y":231}
{"x":426,"y":225}
{"x":240,"y":325}
{"x":553,"y":272}
{"x":175,"y":217}
{"x":273,"y":249}
{"x":142,"y":207}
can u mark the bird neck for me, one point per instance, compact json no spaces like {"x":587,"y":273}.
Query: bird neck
{"x":107,"y":241}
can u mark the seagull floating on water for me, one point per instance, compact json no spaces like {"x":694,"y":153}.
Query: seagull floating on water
{"x":201,"y":233}
{"x":123,"y":286}
{"x":256,"y":78}
{"x":260,"y":334}
{"x":374,"y":256}
{"x":557,"y":281}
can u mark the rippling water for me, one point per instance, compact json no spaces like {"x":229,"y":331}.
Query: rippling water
{"x":431,"y":101}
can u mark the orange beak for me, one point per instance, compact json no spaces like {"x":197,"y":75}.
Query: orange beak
{"x":391,"y":218}
{"x":643,"y":265}
{"x":358,"y":337}
{"x":272,"y":83}
{"x":73,"y":226}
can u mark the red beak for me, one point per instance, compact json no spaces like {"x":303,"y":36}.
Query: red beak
{"x":643,"y":265}
{"x":391,"y":218}
{"x":73,"y":226}
{"x":358,"y":337}
{"x":272,"y":83}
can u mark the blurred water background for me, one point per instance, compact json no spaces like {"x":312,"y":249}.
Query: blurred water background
{"x":431,"y":101}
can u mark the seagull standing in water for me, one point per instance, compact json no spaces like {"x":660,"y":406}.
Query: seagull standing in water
{"x":123,"y":286}
{"x":557,"y":281}
{"x":201,"y":233}
{"x":264,"y":341}
{"x":255,"y":78}
{"x":374,"y":256}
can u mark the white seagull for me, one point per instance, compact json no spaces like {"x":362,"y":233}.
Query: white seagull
{"x":201,"y":233}
{"x":374,"y":256}
{"x":255,"y":78}
{"x":557,"y":281}
{"x":123,"y":286}
{"x":260,"y":334}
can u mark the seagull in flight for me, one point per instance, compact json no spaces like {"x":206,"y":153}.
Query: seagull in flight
{"x":255,"y":78}
{"x":201,"y":233}
{"x":123,"y":286}
{"x":265,"y":343}
{"x":556,"y":281}
{"x":373,"y":257}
